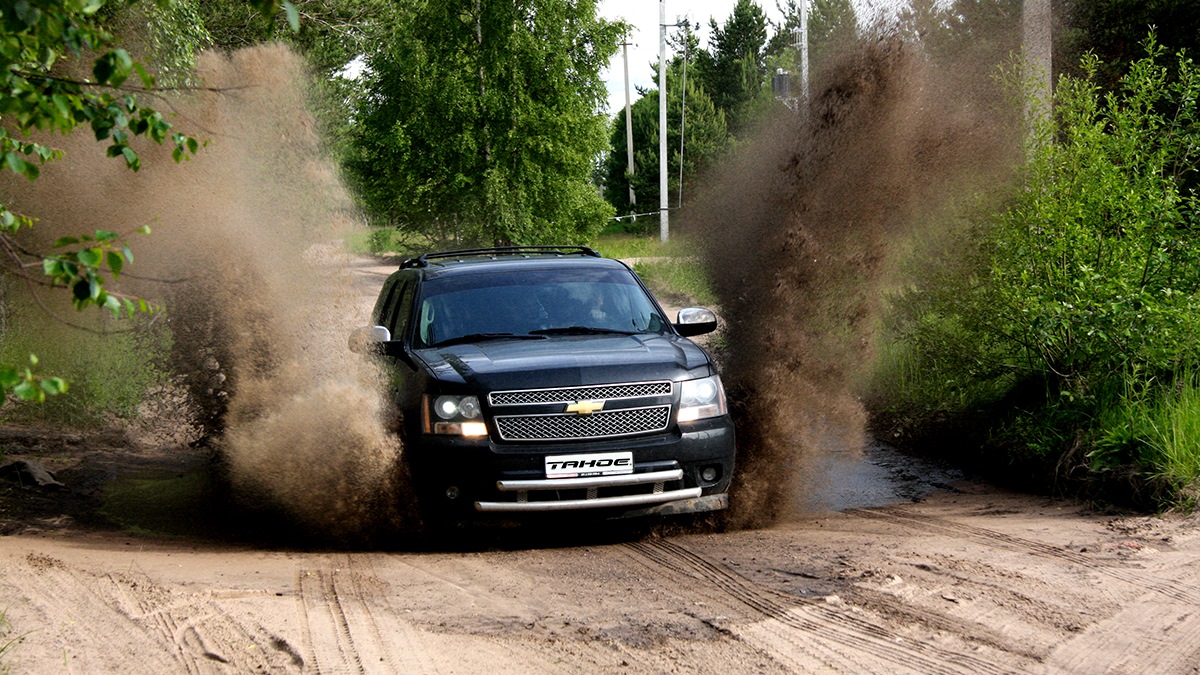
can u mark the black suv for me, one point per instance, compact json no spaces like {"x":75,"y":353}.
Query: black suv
{"x":541,"y":379}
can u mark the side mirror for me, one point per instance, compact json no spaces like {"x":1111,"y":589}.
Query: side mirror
{"x":693,"y":321}
{"x":369,"y":339}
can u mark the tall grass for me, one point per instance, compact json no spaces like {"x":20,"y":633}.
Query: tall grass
{"x":1158,"y":429}
{"x":625,"y":246}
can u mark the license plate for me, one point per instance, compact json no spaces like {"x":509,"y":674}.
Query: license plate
{"x":593,"y":464}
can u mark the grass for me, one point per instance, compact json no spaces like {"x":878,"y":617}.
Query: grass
{"x":6,"y":643}
{"x":1175,"y":442}
{"x":672,"y":270}
{"x":383,"y":241}
{"x":108,"y":371}
{"x":681,"y":280}
{"x":625,"y":246}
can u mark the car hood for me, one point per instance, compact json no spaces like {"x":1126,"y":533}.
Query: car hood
{"x":565,"y":361}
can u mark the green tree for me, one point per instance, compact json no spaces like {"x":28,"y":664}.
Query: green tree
{"x":967,"y":39}
{"x":1114,"y":31}
{"x":733,"y":70}
{"x":333,"y":34}
{"x":46,"y":86}
{"x":164,"y":35}
{"x":706,"y":138}
{"x":832,"y":25}
{"x":479,"y":121}
{"x":1080,"y":299}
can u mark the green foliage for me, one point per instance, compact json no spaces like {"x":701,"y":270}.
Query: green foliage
{"x":832,"y":26}
{"x":734,"y":69}
{"x":671,"y":269}
{"x":681,"y":280}
{"x":1157,"y":427}
{"x":110,"y":365}
{"x":623,"y":246}
{"x":706,"y":139}
{"x":163,"y":34}
{"x":79,"y":267}
{"x":35,"y":96}
{"x":27,"y":386}
{"x":46,"y":86}
{"x":966,"y":38}
{"x":6,"y":642}
{"x":1113,"y":31}
{"x":1094,"y":266}
{"x":1083,"y":291}
{"x":479,"y":123}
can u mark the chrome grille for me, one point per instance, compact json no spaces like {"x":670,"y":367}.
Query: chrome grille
{"x":572,"y":427}
{"x":606,"y":392}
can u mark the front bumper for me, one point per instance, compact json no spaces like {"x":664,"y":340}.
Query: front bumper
{"x":656,"y":480}
{"x":483,"y":477}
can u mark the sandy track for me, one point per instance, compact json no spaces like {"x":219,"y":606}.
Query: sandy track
{"x":972,"y":581}
{"x":961,"y":583}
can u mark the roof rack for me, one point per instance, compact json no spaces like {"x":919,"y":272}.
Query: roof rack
{"x":497,"y":251}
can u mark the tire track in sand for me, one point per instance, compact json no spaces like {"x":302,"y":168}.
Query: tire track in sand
{"x":1169,"y":588}
{"x":1150,"y":636}
{"x":160,"y":629}
{"x":832,"y":637}
{"x":200,"y":631}
{"x":1156,"y":631}
{"x":349,"y":625}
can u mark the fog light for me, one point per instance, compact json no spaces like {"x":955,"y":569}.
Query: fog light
{"x":452,"y":492}
{"x":709,"y":474}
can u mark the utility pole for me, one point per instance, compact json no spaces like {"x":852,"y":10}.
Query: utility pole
{"x":663,"y":227}
{"x":804,"y":52}
{"x":629,"y":135}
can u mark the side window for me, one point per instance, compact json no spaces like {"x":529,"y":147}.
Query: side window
{"x":385,"y":306}
{"x":402,"y":311}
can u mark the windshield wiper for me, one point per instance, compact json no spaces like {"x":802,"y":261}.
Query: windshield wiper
{"x":583,"y":330}
{"x":483,"y":337}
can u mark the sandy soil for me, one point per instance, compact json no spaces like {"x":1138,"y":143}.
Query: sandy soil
{"x":974,"y":581}
{"x":967,"y":579}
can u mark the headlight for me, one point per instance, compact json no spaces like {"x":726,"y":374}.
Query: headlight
{"x":701,"y":399}
{"x":456,"y":415}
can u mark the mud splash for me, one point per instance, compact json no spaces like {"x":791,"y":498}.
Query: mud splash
{"x":245,"y":257}
{"x":803,"y":231}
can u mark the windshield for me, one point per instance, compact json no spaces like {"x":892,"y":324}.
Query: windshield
{"x":533,"y":302}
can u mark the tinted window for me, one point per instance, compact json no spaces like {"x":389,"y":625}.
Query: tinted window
{"x":532,"y":300}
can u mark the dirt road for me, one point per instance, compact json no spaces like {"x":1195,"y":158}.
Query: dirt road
{"x":971,"y":581}
{"x":898,"y":568}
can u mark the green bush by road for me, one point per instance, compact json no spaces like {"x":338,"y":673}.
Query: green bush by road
{"x":1069,"y":330}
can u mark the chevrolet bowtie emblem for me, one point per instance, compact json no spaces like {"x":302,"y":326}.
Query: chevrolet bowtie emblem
{"x":585,"y":407}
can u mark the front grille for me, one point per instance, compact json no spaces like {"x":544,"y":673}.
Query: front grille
{"x":606,"y":392}
{"x":603,"y":424}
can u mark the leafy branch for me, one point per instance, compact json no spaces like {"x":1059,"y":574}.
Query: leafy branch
{"x":37,"y":37}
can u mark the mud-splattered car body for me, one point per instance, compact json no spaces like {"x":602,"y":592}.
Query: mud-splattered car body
{"x":534,"y":380}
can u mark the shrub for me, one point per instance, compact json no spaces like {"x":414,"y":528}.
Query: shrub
{"x":1076,"y":307}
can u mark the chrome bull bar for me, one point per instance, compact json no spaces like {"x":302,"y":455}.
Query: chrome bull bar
{"x":592,"y":484}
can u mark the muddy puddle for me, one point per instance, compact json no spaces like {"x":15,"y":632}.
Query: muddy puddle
{"x":880,"y":476}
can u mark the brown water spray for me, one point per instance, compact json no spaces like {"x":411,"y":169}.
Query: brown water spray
{"x":246,"y":258}
{"x":802,"y":231}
